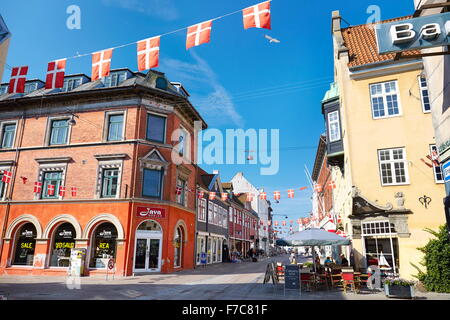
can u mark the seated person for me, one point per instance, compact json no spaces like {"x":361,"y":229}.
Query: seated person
{"x":328,"y":261}
{"x":344,"y":261}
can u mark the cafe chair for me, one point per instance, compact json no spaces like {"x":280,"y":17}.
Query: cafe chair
{"x":280,"y":271}
{"x":307,"y":280}
{"x":348,"y":279}
{"x":336,"y":278}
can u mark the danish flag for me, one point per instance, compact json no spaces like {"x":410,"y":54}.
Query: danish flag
{"x":434,"y":158}
{"x":299,"y":221}
{"x":6,"y":176}
{"x":74,"y":191}
{"x":269,"y":222}
{"x":291,"y":193}
{"x":318,"y":187}
{"x":101,"y":64}
{"x":224,"y":196}
{"x":261,"y":222}
{"x":212,"y":195}
{"x":249,"y":197}
{"x":257,"y":16}
{"x":198,"y":34}
{"x":178,"y":191}
{"x":200,"y":194}
{"x":37,"y":187}
{"x":331,"y":185}
{"x":263,"y":196}
{"x":18,"y":78}
{"x":283,"y":223}
{"x":50,"y":190}
{"x":62,"y":191}
{"x":148,"y":53}
{"x":276,"y":195}
{"x":55,"y":74}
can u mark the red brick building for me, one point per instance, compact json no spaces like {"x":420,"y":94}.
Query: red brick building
{"x":113,"y":140}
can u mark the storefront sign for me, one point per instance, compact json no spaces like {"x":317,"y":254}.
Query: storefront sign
{"x":418,"y":33}
{"x":292,"y":276}
{"x":446,"y":171}
{"x":151,"y":212}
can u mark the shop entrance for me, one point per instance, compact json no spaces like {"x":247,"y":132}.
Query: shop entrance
{"x":148,"y":248}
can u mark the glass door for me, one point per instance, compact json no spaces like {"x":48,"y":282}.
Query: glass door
{"x":153,"y":256}
{"x":141,"y":252}
{"x":147,"y":255}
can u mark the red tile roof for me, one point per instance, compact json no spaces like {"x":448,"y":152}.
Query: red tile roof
{"x":362,"y":44}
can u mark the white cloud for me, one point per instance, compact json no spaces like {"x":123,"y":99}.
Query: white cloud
{"x":216,"y":106}
{"x":164,"y":9}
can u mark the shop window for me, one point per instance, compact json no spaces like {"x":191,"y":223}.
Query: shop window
{"x":8,"y":133}
{"x":63,"y":242}
{"x":156,"y":128}
{"x":59,"y":131}
{"x":178,"y":245}
{"x":110,"y":180}
{"x":25,"y":245}
{"x":103,"y":245}
{"x":51,"y":178}
{"x":152,"y":183}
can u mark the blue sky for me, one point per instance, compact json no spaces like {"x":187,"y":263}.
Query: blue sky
{"x":238,"y":80}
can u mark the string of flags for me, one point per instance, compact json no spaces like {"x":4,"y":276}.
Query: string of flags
{"x":147,"y":50}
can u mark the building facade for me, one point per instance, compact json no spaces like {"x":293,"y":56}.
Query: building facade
{"x":385,"y":194}
{"x":96,"y":166}
{"x":5,"y":37}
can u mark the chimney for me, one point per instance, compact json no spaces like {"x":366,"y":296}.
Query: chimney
{"x":336,"y":21}
{"x":340,"y":48}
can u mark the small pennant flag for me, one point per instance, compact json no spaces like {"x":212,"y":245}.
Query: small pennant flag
{"x":198,"y":34}
{"x":178,"y":190}
{"x":212,"y":195}
{"x":257,"y":16}
{"x":148,"y":53}
{"x":74,"y":191}
{"x":62,"y":191}
{"x":291,"y":193}
{"x":318,"y":187}
{"x":50,"y":190}
{"x":263,"y":196}
{"x":200,"y":194}
{"x":55,"y":74}
{"x":276,"y":195}
{"x":224,"y":196}
{"x":6,"y":176}
{"x":37,"y":187}
{"x":17,"y":80}
{"x":249,"y":197}
{"x":283,"y":223}
{"x":101,"y":64}
{"x":331,"y":185}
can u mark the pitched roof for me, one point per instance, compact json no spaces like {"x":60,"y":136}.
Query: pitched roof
{"x":362,"y":44}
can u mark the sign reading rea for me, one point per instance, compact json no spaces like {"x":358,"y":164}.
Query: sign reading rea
{"x":151,"y":212}
{"x":418,"y":33}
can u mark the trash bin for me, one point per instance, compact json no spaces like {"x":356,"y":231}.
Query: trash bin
{"x":77,"y":260}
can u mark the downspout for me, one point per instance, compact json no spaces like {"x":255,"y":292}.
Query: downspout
{"x":13,"y":180}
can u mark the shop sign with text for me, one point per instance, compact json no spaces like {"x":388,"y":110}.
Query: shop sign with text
{"x":414,"y":34}
{"x":151,"y":212}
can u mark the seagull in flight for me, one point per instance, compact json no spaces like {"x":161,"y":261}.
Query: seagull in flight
{"x":271,"y":39}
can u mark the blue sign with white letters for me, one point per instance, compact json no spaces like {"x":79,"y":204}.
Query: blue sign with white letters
{"x":417,"y":33}
{"x":446,"y":171}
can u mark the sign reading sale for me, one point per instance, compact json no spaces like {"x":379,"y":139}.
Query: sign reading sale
{"x":151,"y":212}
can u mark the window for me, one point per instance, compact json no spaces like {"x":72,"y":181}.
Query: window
{"x":2,"y":185}
{"x":426,"y":106}
{"x":178,"y":246}
{"x":8,"y":132}
{"x":70,"y":84}
{"x":63,"y":242}
{"x":110,"y":179}
{"x":230,"y":214}
{"x":103,"y":244}
{"x":333,"y":126}
{"x":115,"y":127}
{"x":50,"y":185}
{"x":25,"y":245}
{"x":210,"y":212}
{"x":393,"y":166}
{"x":216,"y":214}
{"x":202,"y":210}
{"x":182,"y":142}
{"x":161,"y":83}
{"x":114,"y":79}
{"x":152,"y":184}
{"x":156,"y":127}
{"x":384,"y":98}
{"x":181,"y":184}
{"x":29,"y":87}
{"x":4,"y":89}
{"x":437,"y":169}
{"x":59,"y":131}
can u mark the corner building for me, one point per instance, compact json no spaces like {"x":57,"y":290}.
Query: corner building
{"x":112,"y":140}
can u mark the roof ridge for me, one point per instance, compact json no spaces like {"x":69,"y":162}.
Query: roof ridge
{"x":380,"y":22}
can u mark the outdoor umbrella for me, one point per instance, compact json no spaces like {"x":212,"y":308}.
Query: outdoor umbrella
{"x":315,"y":237}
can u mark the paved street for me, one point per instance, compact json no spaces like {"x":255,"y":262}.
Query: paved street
{"x":240,"y":281}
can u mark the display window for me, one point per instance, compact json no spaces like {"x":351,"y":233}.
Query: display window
{"x":178,"y":244}
{"x":103,"y":245}
{"x":25,"y":245}
{"x":63,"y":243}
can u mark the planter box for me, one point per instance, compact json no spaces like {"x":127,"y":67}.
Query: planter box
{"x":398,"y":291}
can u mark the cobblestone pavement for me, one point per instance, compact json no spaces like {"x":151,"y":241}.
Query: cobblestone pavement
{"x":226,"y":281}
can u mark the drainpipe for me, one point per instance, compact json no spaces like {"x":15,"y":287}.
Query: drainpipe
{"x":13,"y":180}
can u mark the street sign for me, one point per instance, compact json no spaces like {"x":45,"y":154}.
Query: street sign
{"x":411,"y":34}
{"x":446,"y":171}
{"x":292,"y":277}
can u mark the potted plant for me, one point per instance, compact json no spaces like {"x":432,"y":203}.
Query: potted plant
{"x":399,"y":288}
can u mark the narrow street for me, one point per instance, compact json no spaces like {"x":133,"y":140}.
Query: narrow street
{"x":228,"y":281}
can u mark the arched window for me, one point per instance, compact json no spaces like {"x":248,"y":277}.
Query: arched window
{"x":63,"y":242}
{"x":178,"y":244}
{"x":103,"y":244}
{"x":149,"y":225}
{"x":25,"y":245}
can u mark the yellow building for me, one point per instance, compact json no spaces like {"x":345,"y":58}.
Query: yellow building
{"x":378,"y":130}
{"x":4,"y":44}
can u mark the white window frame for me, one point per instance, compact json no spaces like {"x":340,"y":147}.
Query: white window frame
{"x":48,"y":134}
{"x":330,"y":131}
{"x":383,"y":96}
{"x":210,"y":212}
{"x":201,"y":210}
{"x":2,"y":125}
{"x":421,"y":89}
{"x":108,"y":164}
{"x":108,"y":114}
{"x":433,"y":147}
{"x":391,"y":162}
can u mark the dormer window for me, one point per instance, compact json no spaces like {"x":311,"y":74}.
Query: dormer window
{"x":115,"y":78}
{"x":4,"y":89}
{"x":70,"y":84}
{"x":30,"y":87}
{"x":161,"y":83}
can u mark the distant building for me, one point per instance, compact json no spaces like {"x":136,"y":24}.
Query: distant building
{"x":5,"y":36}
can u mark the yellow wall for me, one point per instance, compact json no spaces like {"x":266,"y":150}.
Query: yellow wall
{"x":3,"y":54}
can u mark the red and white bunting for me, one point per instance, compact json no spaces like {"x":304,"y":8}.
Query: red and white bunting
{"x":62,"y":191}
{"x":50,"y":190}
{"x":269,"y":222}
{"x":249,"y":197}
{"x":17,"y":80}
{"x":55,"y":74}
{"x":331,"y":185}
{"x":6,"y":176}
{"x":200,"y":194}
{"x":37,"y":187}
{"x":101,"y":64}
{"x":318,"y":187}
{"x":283,"y":223}
{"x":276,"y":195}
{"x":74,"y":191}
{"x":303,"y":188}
{"x":263,"y":196}
{"x":212,"y":195}
{"x":198,"y":34}
{"x":224,"y":196}
{"x":434,"y":158}
{"x":291,"y":193}
{"x":148,"y":53}
{"x":428,"y":164}
{"x":276,"y":223}
{"x":257,"y":16}
{"x":178,"y":190}
{"x":299,"y":221}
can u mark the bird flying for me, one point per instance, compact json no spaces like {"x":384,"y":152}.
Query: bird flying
{"x":271,"y":39}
